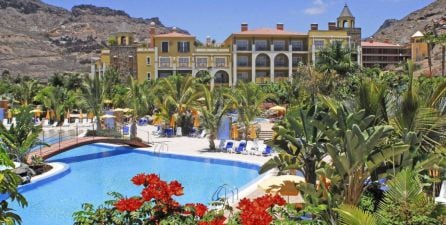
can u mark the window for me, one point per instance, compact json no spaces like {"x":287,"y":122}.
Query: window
{"x":243,"y":76}
{"x":149,"y":76}
{"x":262,"y":61}
{"x":183,"y":62}
{"x":165,"y":46}
{"x":242,"y":45}
{"x":164,"y":62}
{"x":297,"y":60}
{"x":148,"y":61}
{"x":243,"y":61}
{"x":319,"y":44}
{"x":261,"y":45}
{"x":279,"y":45}
{"x":183,"y":46}
{"x":336,"y":42}
{"x":201,"y":62}
{"x":297,"y":45}
{"x":220,"y":62}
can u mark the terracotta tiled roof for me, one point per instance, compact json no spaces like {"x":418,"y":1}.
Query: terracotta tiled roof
{"x":174,"y":34}
{"x":268,"y":31}
{"x":378,"y":44}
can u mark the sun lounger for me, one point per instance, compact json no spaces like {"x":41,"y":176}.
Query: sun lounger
{"x":125,"y":130}
{"x":442,"y":196}
{"x":179,"y":131}
{"x":268,"y":151}
{"x":65,"y":123}
{"x":221,"y":145}
{"x":203,"y":134}
{"x":5,"y":122}
{"x":45,"y":123}
{"x":241,"y":148}
{"x":229,"y":146}
{"x":54,"y":124}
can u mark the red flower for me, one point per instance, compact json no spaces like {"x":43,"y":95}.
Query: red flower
{"x":220,"y":220}
{"x":200,"y":209}
{"x":152,"y":179}
{"x":128,"y":204}
{"x":254,"y":212}
{"x":139,"y":179}
{"x":175,"y":188}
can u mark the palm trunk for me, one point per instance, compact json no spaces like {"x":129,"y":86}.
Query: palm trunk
{"x":310,"y":169}
{"x":443,"y":51}
{"x":429,"y":58}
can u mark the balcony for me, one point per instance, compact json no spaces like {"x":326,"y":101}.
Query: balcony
{"x":201,"y":65}
{"x":165,"y":65}
{"x":184,"y":65}
{"x":220,"y":65}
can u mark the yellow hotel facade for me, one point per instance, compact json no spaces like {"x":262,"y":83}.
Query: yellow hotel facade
{"x":257,"y":55}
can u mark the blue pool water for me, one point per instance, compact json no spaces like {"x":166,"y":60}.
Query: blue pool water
{"x":97,"y":169}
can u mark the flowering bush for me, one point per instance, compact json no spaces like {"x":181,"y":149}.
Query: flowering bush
{"x":156,"y":205}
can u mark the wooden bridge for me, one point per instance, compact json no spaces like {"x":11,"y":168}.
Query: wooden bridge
{"x":63,"y":146}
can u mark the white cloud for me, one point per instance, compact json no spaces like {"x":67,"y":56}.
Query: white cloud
{"x":318,"y":7}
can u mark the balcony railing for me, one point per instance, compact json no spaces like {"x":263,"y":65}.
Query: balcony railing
{"x":184,"y":65}
{"x":165,"y":65}
{"x":243,"y":64}
{"x":201,"y":65}
{"x":262,"y":64}
{"x":220,"y":65}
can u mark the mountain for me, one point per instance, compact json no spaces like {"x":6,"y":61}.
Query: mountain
{"x":400,"y":31}
{"x":38,"y":39}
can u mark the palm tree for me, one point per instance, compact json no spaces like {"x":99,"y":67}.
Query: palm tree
{"x":137,"y":99}
{"x":176,"y":95}
{"x":429,"y":37}
{"x":351,"y":215}
{"x":216,"y":105}
{"x":249,"y":98}
{"x":335,"y":58}
{"x":356,"y":147}
{"x":405,"y":202}
{"x":22,"y":137}
{"x":8,"y":187}
{"x":299,"y":142}
{"x":93,"y":93}
{"x":25,"y":91}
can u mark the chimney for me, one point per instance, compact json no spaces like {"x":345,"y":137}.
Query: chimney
{"x":314,"y":26}
{"x":244,"y":27}
{"x":279,"y":26}
{"x":208,"y":41}
{"x":331,"y":26}
{"x":152,"y":34}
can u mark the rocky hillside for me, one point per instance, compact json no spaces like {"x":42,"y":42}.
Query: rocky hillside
{"x":400,"y":31}
{"x":38,"y":39}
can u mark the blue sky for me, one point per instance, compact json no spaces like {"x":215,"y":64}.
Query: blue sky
{"x":220,"y":18}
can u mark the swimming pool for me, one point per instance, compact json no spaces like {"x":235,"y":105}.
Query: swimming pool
{"x":97,"y":169}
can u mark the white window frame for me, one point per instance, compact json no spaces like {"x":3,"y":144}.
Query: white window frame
{"x":149,"y":61}
{"x":243,"y":57}
{"x":149,"y":76}
{"x":279,"y":41}
{"x":316,"y":46}
{"x":181,"y":45}
{"x":239,"y":42}
{"x":199,"y":64}
{"x":301,"y":45}
{"x":261,"y":41}
{"x":184,"y":64}
{"x":220,"y":64}
{"x":163,"y":64}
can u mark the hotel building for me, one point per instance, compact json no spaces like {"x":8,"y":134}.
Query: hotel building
{"x":257,"y":55}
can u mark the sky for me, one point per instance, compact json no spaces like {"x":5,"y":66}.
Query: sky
{"x":220,"y":18}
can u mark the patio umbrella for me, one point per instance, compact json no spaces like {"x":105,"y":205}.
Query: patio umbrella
{"x":172,"y":121}
{"x":81,"y":116}
{"x":234,"y":131}
{"x":126,"y":110}
{"x":118,"y":110}
{"x":90,"y":115}
{"x":252,"y":132}
{"x":196,"y":121}
{"x":107,"y":116}
{"x":278,"y":108}
{"x":158,"y":120}
{"x":283,"y":185}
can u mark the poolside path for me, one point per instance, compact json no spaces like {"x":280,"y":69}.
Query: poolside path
{"x":54,"y":149}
